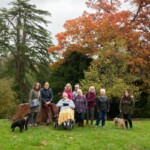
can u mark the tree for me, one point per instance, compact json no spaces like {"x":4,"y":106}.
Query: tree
{"x":7,"y":98}
{"x":26,"y":38}
{"x":110,"y":71}
{"x":108,"y":24}
{"x":69,"y":69}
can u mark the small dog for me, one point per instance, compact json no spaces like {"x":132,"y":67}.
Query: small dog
{"x":119,"y":122}
{"x":22,"y":123}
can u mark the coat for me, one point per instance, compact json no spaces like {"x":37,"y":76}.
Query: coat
{"x":34,"y":94}
{"x":102,"y":104}
{"x":62,"y":106}
{"x":91,"y":99}
{"x":126,"y":105}
{"x":46,"y":95}
{"x":80,"y":104}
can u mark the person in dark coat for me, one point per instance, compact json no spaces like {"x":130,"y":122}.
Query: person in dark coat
{"x":46,"y":98}
{"x":126,"y":107}
{"x":102,"y":106}
{"x":90,"y":96}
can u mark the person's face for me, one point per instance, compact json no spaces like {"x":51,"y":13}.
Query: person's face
{"x":79,"y":93}
{"x":68,"y":87}
{"x":76,"y":88}
{"x":92,"y":90}
{"x":65,"y":96}
{"x":46,"y":86}
{"x":37,"y":86}
{"x":126,"y":93}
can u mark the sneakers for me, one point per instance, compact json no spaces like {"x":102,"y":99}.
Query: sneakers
{"x":35,"y":125}
{"x":30,"y":125}
{"x":48,"y":121}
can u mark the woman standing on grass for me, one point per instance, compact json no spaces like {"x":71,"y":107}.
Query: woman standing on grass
{"x":90,"y":96}
{"x":80,"y":107}
{"x":34,"y":102}
{"x":102,"y":106}
{"x":126,"y":107}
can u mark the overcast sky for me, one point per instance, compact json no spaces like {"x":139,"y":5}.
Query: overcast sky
{"x":61,"y":10}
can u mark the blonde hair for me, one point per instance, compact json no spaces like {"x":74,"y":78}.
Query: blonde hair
{"x":79,"y":90}
{"x":92,"y":87}
{"x":46,"y":83}
{"x":102,"y":91}
{"x":68,"y":85}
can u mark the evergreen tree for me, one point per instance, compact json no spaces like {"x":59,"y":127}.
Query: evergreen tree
{"x":26,"y":37}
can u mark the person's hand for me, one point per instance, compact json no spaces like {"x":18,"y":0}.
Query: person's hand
{"x":48,"y":102}
{"x":65,"y":104}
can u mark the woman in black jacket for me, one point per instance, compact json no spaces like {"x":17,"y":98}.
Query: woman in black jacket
{"x":46,"y":97}
{"x":102,"y":106}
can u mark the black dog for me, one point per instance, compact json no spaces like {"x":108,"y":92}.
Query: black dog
{"x":22,"y":123}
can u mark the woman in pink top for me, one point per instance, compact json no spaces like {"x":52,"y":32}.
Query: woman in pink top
{"x":68,"y":90}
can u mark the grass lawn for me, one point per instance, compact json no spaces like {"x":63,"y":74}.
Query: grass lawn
{"x":87,"y":138}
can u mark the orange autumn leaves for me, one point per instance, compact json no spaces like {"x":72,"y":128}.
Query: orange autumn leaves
{"x":107,"y":24}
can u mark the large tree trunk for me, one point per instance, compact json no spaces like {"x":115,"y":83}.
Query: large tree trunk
{"x":24,"y":108}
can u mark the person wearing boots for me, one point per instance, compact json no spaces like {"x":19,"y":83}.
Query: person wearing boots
{"x":126,"y":107}
{"x":80,"y":107}
{"x":46,"y":97}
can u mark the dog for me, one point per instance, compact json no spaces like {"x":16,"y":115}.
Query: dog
{"x":22,"y":123}
{"x":119,"y":122}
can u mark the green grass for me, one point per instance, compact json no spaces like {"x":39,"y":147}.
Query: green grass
{"x":87,"y":138}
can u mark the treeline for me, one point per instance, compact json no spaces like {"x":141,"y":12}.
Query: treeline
{"x":107,"y":48}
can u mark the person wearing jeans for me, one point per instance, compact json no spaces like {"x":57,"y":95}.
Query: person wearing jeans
{"x":102,"y":106}
{"x":90,"y":96}
{"x":126,"y":107}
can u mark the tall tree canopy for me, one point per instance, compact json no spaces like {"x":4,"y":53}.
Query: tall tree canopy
{"x":24,"y":34}
{"x":90,"y":32}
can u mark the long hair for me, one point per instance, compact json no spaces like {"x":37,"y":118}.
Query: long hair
{"x":35,"y":86}
{"x":125,"y":97}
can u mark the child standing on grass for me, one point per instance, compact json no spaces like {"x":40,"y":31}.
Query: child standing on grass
{"x":102,"y":107}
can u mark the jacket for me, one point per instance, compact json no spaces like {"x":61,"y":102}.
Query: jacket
{"x":91,"y":99}
{"x":65,"y":104}
{"x":126,"y":105}
{"x":102,"y":104}
{"x":80,"y":104}
{"x":46,"y":95}
{"x":34,"y":94}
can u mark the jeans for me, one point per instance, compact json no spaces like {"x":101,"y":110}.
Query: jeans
{"x":127,"y":118}
{"x":101,"y":116}
{"x":33,"y":119}
{"x":90,"y":115}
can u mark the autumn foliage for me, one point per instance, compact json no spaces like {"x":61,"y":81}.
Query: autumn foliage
{"x":109,"y":23}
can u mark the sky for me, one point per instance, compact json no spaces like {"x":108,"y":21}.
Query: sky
{"x":61,"y":10}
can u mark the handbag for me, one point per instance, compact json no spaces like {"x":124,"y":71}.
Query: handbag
{"x":35,"y":103}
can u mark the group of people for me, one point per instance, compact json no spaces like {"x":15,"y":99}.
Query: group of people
{"x":75,"y":103}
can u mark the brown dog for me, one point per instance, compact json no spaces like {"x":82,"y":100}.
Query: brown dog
{"x":119,"y":122}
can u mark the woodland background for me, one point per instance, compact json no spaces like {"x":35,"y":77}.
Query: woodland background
{"x":108,"y":47}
